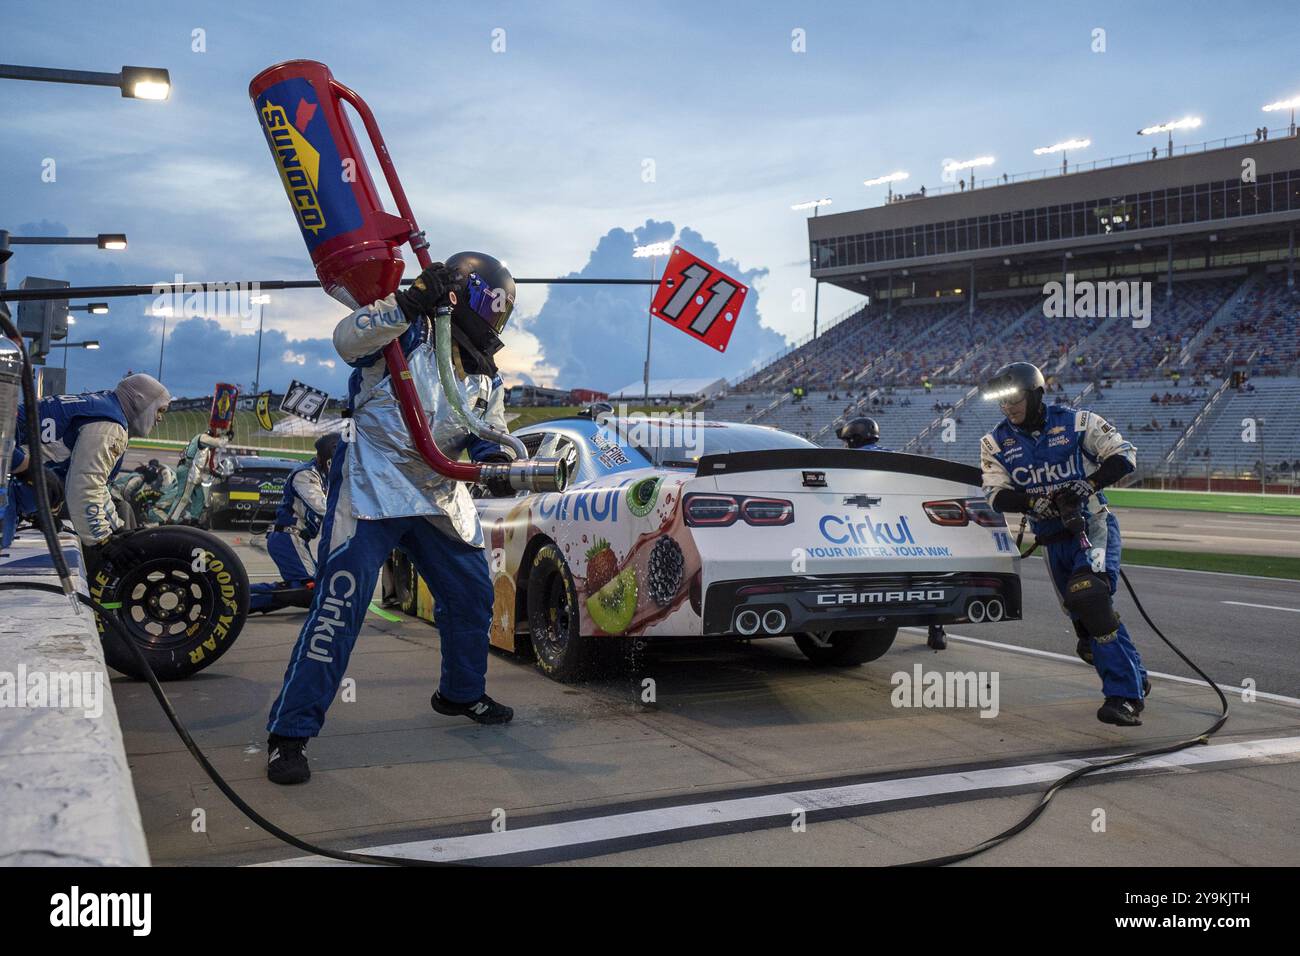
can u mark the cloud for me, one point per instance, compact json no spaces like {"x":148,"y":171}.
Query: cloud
{"x":594,"y":337}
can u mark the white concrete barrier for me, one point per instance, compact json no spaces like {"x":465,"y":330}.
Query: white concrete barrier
{"x":66,"y":796}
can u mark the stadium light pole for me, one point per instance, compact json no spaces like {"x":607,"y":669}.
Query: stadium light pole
{"x":134,"y":82}
{"x":88,"y":344}
{"x":113,"y":241}
{"x":1061,"y":148}
{"x":162,"y":313}
{"x":259,"y":301}
{"x":971,"y":164}
{"x":1187,"y":122}
{"x":651,"y":251}
{"x":1290,"y":104}
{"x":889,"y":180}
{"x":815,"y":205}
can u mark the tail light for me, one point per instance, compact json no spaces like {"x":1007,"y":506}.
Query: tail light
{"x":721,"y":511}
{"x":982,"y":513}
{"x":767,"y":511}
{"x":959,"y":512}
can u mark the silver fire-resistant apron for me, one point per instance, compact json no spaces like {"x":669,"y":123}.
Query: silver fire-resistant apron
{"x":384,"y":472}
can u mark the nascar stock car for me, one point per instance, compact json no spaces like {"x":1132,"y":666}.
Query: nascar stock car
{"x":744,"y":532}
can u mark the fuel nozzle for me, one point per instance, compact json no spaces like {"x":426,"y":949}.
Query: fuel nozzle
{"x":532,"y":474}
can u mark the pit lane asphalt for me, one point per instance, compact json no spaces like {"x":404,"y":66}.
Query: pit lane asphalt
{"x":732,"y":721}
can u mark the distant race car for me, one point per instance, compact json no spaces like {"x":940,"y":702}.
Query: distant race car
{"x":766,"y":534}
{"x":251,"y":492}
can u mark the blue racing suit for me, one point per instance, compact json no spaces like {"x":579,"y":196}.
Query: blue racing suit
{"x":382,"y":496}
{"x":297,"y":524}
{"x":1069,"y":446}
{"x":84,"y":437}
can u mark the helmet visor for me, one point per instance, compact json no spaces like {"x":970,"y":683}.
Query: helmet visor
{"x":491,"y":305}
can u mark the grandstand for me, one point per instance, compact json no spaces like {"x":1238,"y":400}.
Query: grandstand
{"x":954,"y":287}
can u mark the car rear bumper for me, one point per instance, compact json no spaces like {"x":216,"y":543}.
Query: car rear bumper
{"x":770,"y":606}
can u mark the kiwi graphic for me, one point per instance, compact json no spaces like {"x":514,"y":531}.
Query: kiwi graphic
{"x":642,"y":495}
{"x":612,"y":607}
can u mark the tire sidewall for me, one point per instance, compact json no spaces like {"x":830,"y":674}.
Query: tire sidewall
{"x":225,"y":577}
{"x":570,"y":662}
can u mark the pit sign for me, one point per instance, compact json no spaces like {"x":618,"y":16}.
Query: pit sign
{"x":303,"y":401}
{"x":699,"y":299}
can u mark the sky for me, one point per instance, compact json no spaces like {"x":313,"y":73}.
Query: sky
{"x":557,"y":136}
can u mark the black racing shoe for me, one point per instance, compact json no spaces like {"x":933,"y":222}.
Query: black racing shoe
{"x":286,"y":759}
{"x":1121,"y":712}
{"x":485,"y":710}
{"x":937,"y":640}
{"x":1141,"y":705}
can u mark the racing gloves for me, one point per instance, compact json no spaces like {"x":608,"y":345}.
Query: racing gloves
{"x":428,"y":291}
{"x":1039,"y":507}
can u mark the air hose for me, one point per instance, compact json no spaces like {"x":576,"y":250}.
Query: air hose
{"x":1069,"y":778}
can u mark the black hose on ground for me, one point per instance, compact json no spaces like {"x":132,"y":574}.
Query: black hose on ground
{"x":1069,"y":778}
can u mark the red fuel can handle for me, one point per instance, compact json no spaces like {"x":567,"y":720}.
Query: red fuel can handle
{"x":354,"y":244}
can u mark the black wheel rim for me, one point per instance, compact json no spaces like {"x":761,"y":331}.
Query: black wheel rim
{"x":164,"y":602}
{"x":551,"y":639}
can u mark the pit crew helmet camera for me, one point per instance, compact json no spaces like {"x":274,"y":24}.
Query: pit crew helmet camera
{"x":485,"y":299}
{"x":1013,"y":382}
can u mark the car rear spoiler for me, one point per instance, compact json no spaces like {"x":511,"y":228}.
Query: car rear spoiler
{"x":822,"y":459}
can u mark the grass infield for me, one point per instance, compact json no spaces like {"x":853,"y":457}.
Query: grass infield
{"x":1229,"y":503}
{"x":1263,"y":566}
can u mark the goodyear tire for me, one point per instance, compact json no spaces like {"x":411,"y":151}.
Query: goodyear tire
{"x":180,"y":594}
{"x":846,"y":648}
{"x":554,"y":620}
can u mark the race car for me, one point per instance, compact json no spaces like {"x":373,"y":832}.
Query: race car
{"x":250,"y":492}
{"x":675,"y":529}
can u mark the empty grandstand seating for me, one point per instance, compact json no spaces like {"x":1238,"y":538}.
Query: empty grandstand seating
{"x":1264,"y":328}
{"x":1272,"y":404}
{"x":1132,"y":353}
{"x":886,"y":355}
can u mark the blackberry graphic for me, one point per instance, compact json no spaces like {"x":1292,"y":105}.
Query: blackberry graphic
{"x":665,"y":571}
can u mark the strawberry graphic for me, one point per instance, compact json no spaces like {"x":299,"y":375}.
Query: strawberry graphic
{"x":601,"y":565}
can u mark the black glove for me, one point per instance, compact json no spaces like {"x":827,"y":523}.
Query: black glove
{"x":1040,"y":507}
{"x":498,"y":487}
{"x":1071,"y":497}
{"x":427,"y":292}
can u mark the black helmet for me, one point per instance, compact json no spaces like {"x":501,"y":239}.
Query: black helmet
{"x":485,"y":298}
{"x":859,"y":432}
{"x":326,"y":444}
{"x":1015,"y":380}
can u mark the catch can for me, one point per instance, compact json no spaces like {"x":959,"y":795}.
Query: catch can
{"x":353,"y":242}
{"x":222,"y":417}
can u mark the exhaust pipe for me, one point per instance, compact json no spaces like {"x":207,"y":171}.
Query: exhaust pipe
{"x":774,"y":621}
{"x":975,"y":611}
{"x":995,"y":610}
{"x":747,"y":622}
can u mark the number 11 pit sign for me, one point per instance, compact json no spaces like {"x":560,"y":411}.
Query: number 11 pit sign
{"x":699,"y":299}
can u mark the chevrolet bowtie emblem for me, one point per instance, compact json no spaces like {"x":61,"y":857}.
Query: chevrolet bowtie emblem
{"x":862,"y":501}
